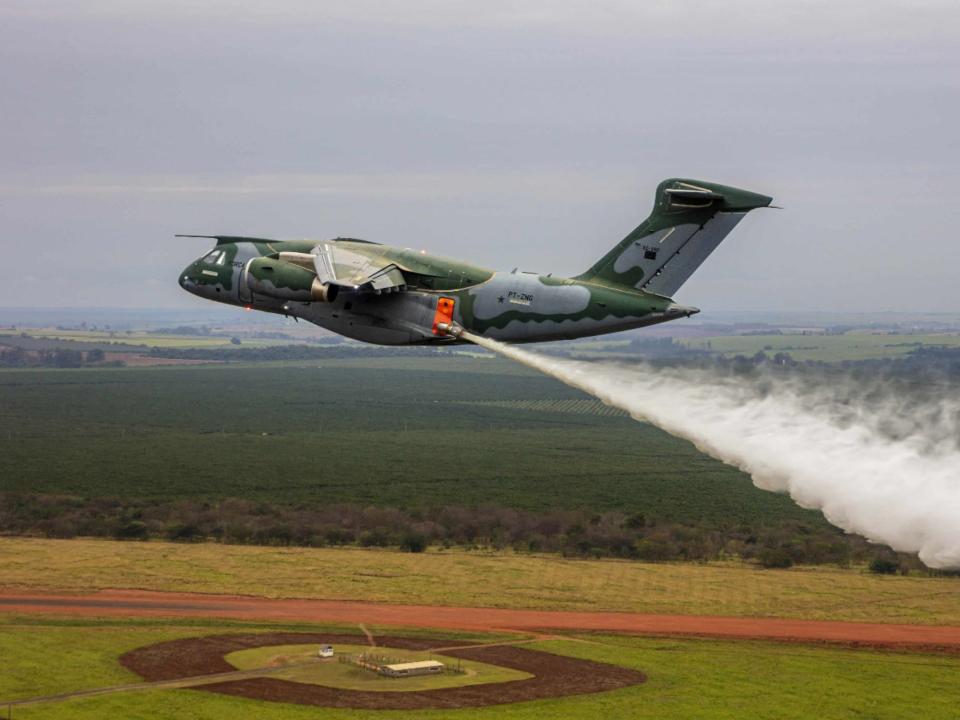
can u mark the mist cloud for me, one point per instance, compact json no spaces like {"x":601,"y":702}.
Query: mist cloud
{"x":869,"y":458}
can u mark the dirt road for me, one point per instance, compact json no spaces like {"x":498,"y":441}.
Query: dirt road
{"x":128,"y":603}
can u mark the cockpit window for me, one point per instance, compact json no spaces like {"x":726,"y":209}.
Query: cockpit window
{"x":215,"y":257}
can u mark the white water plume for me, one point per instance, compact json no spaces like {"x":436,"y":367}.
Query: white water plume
{"x":873,"y":462}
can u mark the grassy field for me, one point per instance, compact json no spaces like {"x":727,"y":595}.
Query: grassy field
{"x":825,"y":348}
{"x":345,"y":675}
{"x":53,"y":658}
{"x":480,"y":579}
{"x":397,"y":432}
{"x":49,"y":655}
{"x":686,"y":679}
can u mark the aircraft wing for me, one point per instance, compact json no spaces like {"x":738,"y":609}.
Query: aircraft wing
{"x":359,"y":271}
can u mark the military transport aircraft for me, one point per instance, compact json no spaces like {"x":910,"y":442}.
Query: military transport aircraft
{"x":393,"y":296}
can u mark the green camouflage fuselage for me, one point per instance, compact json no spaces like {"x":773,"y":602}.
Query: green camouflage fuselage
{"x":392,"y":296}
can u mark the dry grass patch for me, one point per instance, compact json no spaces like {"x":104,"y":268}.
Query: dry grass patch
{"x":479,"y":579}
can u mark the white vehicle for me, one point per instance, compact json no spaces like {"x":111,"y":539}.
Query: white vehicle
{"x":326,"y":651}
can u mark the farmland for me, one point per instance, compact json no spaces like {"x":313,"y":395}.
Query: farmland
{"x":391,"y":432}
{"x":125,"y":339}
{"x":195,"y":452}
{"x":825,"y":347}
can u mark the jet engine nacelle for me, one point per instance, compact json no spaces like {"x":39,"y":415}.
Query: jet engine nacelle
{"x":287,"y":281}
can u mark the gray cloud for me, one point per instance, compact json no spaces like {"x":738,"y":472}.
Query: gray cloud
{"x":530,"y":136}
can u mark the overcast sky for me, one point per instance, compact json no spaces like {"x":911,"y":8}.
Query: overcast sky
{"x":526,"y":134}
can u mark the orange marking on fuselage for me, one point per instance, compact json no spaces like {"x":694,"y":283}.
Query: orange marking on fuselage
{"x":444,"y":313}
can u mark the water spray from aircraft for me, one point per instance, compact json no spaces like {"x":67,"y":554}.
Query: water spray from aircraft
{"x":873,"y":466}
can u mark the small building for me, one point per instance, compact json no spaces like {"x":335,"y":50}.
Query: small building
{"x":409,"y":669}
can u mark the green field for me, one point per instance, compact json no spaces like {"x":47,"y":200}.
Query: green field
{"x":48,"y":655}
{"x":307,"y":669}
{"x":415,"y":432}
{"x":686,"y":679}
{"x":824,"y":348}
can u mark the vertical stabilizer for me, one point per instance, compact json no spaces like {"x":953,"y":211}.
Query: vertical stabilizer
{"x":690,"y":219}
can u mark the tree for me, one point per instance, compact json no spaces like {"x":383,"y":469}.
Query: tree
{"x":184,"y":532}
{"x":884,"y":566}
{"x":66,"y":358}
{"x":13,"y":357}
{"x":775,"y":558}
{"x":374,"y":538}
{"x":656,"y":550}
{"x":132,"y":530}
{"x":413,"y":542}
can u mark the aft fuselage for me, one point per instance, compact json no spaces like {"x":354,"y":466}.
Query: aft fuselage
{"x":509,"y":306}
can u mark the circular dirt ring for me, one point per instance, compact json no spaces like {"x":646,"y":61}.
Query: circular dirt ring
{"x":553,"y":675}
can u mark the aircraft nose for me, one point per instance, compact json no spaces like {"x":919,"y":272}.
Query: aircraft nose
{"x":186,"y":280}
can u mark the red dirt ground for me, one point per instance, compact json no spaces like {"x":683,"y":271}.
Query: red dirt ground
{"x":128,"y":603}
{"x":554,"y":675}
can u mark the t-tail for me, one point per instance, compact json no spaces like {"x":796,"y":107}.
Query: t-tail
{"x":690,"y":219}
